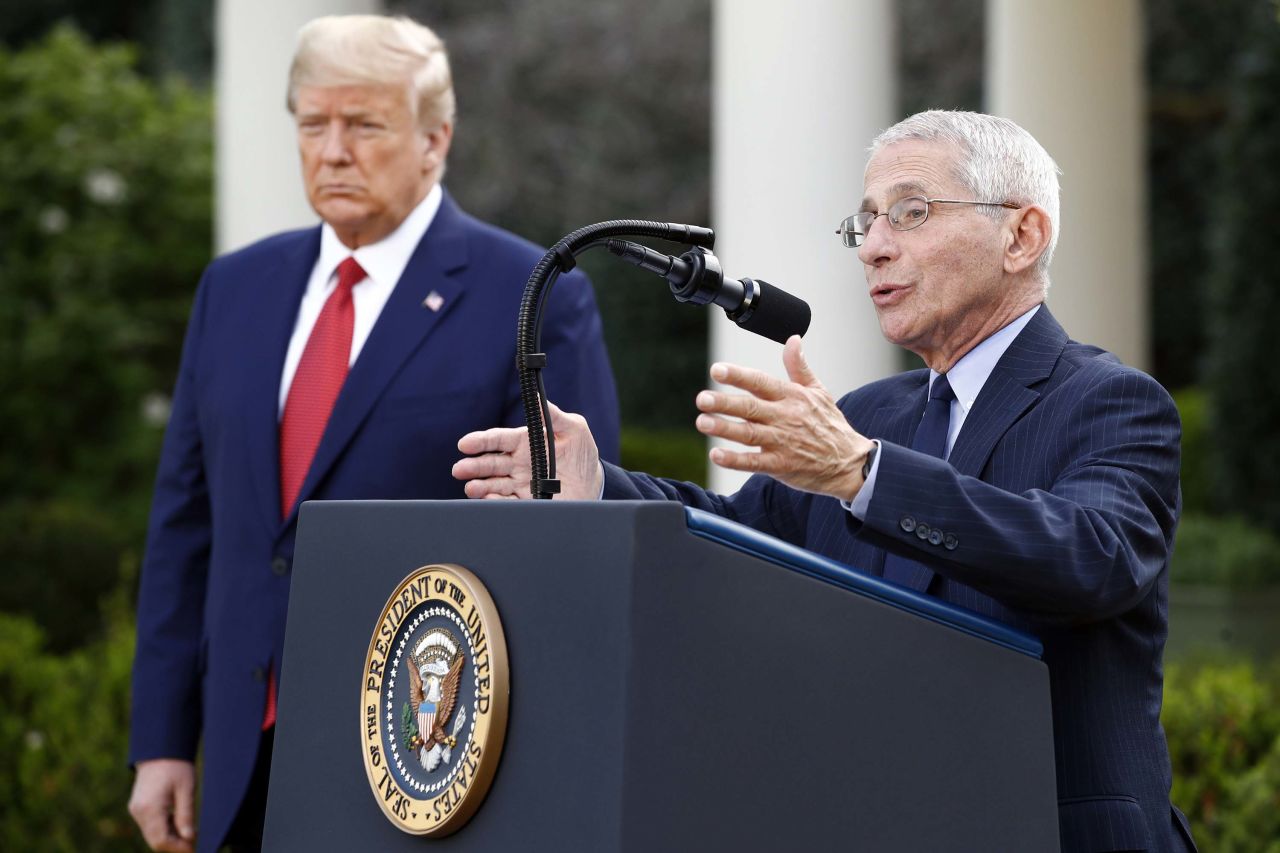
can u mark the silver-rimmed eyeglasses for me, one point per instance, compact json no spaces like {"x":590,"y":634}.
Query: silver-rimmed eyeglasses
{"x":903,"y":215}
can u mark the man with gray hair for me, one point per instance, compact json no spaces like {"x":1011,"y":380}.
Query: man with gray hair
{"x":1022,"y":475}
{"x":336,"y":362}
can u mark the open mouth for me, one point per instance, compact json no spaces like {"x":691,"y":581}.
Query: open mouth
{"x":887,"y":294}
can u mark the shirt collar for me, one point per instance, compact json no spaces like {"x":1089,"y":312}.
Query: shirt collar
{"x":969,"y":374}
{"x":385,"y":260}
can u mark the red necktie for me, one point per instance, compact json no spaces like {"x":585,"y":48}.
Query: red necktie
{"x":316,"y":384}
{"x":312,"y":393}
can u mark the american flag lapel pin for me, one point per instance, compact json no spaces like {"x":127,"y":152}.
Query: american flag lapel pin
{"x":434,"y":301}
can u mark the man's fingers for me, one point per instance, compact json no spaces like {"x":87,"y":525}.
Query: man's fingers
{"x":738,"y":460}
{"x":496,"y":487}
{"x":797,"y":366}
{"x":184,"y":808}
{"x":749,"y":379}
{"x":496,"y":440}
{"x":742,"y":432}
{"x":480,"y":467}
{"x":734,"y":405}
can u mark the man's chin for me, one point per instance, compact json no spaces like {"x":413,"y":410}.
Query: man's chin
{"x":343,"y":213}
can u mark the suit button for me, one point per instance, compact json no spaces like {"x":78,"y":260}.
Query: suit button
{"x":950,"y":542}
{"x":908,"y":523}
{"x":922,"y":530}
{"x":259,"y":674}
{"x":280,"y":566}
{"x":935,"y":537}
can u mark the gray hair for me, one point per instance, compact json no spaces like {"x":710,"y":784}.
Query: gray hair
{"x":999,"y":161}
{"x":358,"y":50}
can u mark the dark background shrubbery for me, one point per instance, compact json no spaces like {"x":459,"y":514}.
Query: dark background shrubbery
{"x":105,"y":222}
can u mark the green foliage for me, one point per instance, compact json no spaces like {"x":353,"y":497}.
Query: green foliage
{"x":678,"y":454}
{"x":1231,"y":552}
{"x":1223,"y":725}
{"x":1197,"y":467}
{"x":1244,"y":301}
{"x":106,"y":206}
{"x":63,"y":778}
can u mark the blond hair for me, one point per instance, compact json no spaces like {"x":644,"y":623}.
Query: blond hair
{"x":357,"y":50}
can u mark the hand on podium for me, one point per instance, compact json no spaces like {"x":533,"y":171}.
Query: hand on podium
{"x":497,"y":465}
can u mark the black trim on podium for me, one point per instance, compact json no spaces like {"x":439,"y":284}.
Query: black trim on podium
{"x":677,"y":683}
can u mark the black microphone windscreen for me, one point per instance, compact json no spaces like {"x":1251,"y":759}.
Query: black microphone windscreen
{"x":777,"y":315}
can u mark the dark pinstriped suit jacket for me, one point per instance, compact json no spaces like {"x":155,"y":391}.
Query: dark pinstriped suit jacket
{"x":1055,"y":513}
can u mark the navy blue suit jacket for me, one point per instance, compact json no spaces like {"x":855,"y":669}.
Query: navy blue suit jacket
{"x":215,"y":579}
{"x":1055,"y":513}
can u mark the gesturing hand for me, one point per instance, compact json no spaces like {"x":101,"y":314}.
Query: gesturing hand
{"x":802,"y":438}
{"x":501,"y":469}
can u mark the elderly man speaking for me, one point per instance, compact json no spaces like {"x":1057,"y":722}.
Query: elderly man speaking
{"x":1022,"y":475}
{"x":342,"y":361}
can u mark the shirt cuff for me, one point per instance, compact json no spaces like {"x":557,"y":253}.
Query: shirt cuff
{"x":861,"y":501}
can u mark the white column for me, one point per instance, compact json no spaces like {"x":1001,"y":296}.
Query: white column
{"x":258,"y":180}
{"x":1071,"y":74}
{"x":801,"y":88}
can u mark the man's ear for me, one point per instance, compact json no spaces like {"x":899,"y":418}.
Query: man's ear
{"x":1027,"y":237}
{"x":436,"y":147}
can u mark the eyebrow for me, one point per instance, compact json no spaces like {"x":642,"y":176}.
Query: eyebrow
{"x":348,"y":114}
{"x":899,"y":190}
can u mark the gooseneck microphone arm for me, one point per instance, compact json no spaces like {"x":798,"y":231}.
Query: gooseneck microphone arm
{"x":530,"y":360}
{"x":695,"y":277}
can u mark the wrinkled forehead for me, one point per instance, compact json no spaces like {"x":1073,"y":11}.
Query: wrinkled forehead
{"x":910,"y":168}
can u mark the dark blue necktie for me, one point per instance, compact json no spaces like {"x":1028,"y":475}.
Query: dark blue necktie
{"x":930,"y":438}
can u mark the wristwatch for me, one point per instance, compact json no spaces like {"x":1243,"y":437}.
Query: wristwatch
{"x":871,"y":458}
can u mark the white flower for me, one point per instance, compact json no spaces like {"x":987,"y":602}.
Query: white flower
{"x":105,"y":186}
{"x":53,"y":220}
{"x":156,"y":408}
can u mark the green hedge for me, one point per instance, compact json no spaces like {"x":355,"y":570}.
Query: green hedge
{"x":105,"y":224}
{"x":1223,"y":724}
{"x":63,"y":780}
{"x":1229,"y":552}
{"x":680,"y":454}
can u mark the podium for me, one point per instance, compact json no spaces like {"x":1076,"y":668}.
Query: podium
{"x":677,"y":682}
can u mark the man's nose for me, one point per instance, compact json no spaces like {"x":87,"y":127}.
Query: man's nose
{"x":879,"y":244}
{"x":335,"y":148}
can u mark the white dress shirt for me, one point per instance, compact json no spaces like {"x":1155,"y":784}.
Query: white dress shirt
{"x":967,"y":376}
{"x":383,"y":261}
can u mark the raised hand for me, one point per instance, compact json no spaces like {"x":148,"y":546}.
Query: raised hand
{"x":802,"y":439}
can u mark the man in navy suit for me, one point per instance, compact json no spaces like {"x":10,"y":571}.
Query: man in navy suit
{"x":1022,"y":475}
{"x":342,"y":361}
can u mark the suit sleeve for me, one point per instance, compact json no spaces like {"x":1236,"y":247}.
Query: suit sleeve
{"x":762,"y":503}
{"x":166,"y":716}
{"x":578,"y":376}
{"x":1087,"y":547}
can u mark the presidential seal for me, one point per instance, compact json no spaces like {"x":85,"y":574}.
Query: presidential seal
{"x":433,"y":703}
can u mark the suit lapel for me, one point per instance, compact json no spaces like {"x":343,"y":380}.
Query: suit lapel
{"x":1008,"y":391}
{"x":1005,"y":396}
{"x":401,"y":327}
{"x":265,"y":342}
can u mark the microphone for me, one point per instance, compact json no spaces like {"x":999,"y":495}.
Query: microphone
{"x":696,"y":276}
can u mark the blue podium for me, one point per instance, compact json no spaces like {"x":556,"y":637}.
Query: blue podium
{"x":677,"y":682}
